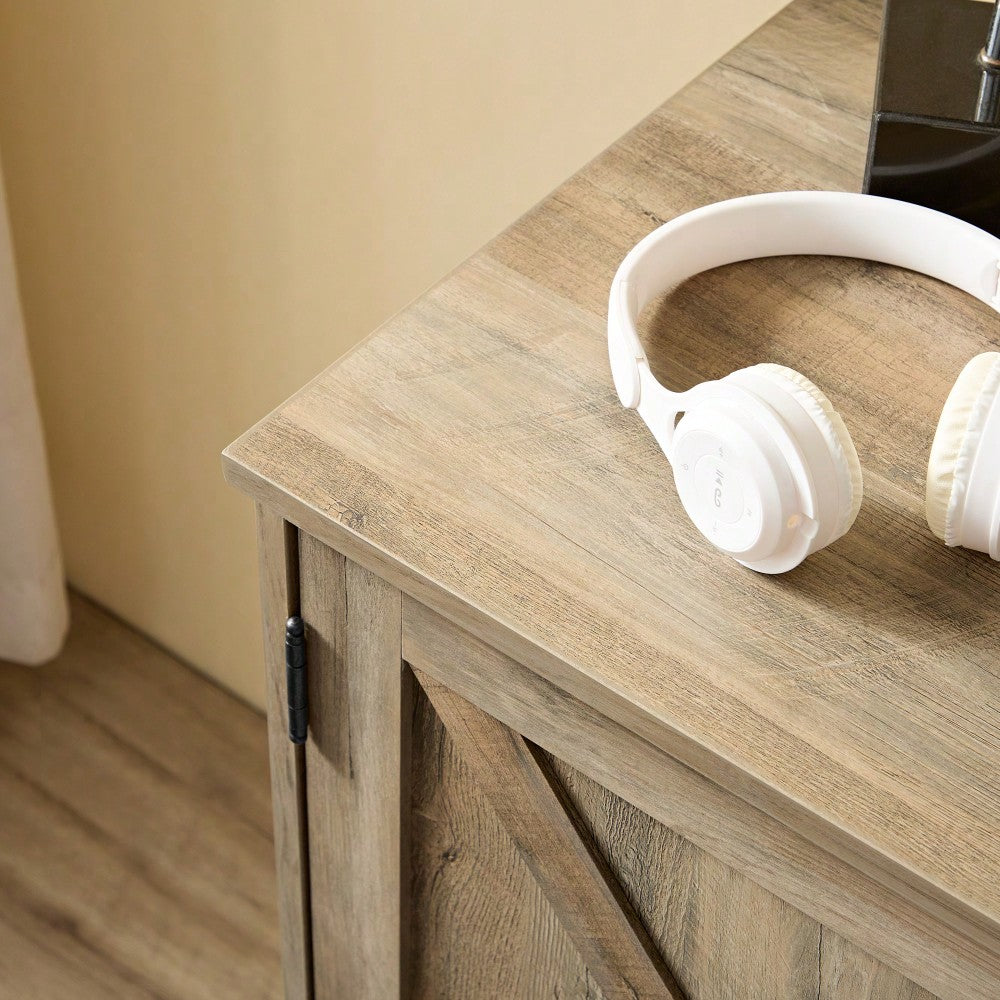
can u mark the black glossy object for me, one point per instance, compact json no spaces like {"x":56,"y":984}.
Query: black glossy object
{"x":935,"y":137}
{"x":295,"y":679}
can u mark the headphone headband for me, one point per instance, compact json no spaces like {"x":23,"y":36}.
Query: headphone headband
{"x":830,"y":223}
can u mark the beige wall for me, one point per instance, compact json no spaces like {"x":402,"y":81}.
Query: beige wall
{"x":213,"y":199}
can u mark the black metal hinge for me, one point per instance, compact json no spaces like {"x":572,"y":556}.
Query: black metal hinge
{"x":295,"y":679}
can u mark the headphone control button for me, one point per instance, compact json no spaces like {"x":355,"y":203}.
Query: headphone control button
{"x":727,"y":483}
{"x":719,"y":483}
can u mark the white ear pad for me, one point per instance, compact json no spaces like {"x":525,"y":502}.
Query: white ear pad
{"x":963,"y":436}
{"x":830,"y":424}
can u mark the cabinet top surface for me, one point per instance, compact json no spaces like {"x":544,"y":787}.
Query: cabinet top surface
{"x":474,"y":449}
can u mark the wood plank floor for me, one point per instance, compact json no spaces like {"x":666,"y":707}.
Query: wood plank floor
{"x":135,"y":828}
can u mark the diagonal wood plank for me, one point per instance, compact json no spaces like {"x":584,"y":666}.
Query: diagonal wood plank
{"x":474,"y":896}
{"x":541,"y":820}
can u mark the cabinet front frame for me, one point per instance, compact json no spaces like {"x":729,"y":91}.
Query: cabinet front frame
{"x":912,"y":935}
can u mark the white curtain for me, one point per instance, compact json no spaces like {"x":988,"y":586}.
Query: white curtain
{"x":33,"y":613}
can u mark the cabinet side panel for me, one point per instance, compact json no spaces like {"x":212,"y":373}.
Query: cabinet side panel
{"x":277,"y":548}
{"x":357,"y":778}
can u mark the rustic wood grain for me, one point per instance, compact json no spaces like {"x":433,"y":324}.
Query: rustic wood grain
{"x":135,"y":828}
{"x":792,"y":868}
{"x":849,"y":973}
{"x":277,"y":546}
{"x":473,"y":454}
{"x":482,"y":927}
{"x":521,"y":788}
{"x":725,"y":936}
{"x":357,"y":771}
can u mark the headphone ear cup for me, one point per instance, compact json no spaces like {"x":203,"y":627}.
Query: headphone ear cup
{"x":840,"y":446}
{"x":956,"y":441}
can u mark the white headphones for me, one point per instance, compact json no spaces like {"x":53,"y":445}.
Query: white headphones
{"x":764,"y":465}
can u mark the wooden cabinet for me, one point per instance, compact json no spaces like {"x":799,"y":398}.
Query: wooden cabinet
{"x":558,"y":747}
